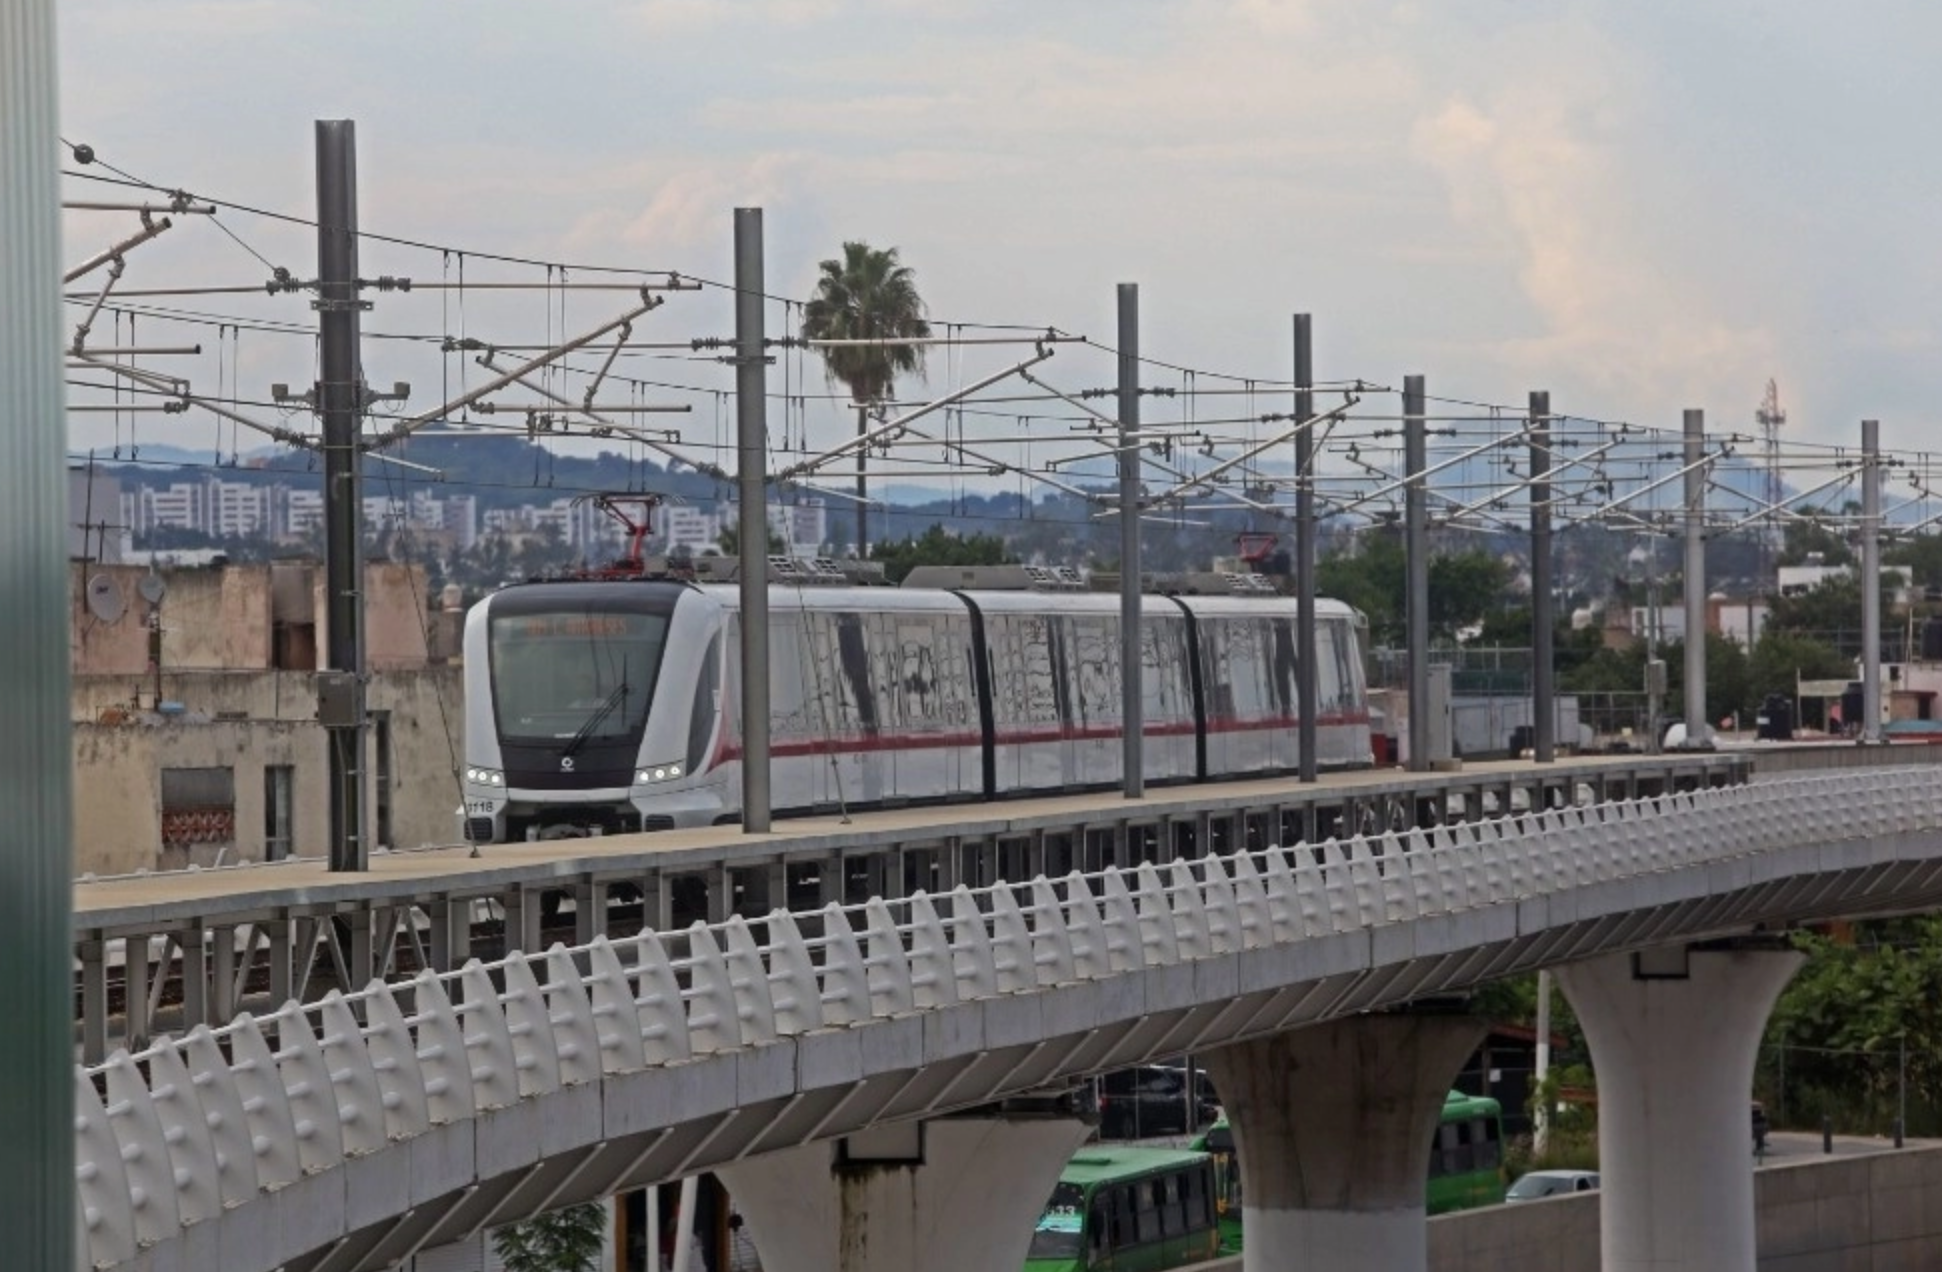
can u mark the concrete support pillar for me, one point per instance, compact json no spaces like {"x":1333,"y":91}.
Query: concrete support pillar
{"x":1674,"y":1034}
{"x":1333,"y":1125}
{"x":958,"y":1194}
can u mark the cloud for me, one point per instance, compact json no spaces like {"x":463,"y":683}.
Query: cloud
{"x":688,"y":211}
{"x":684,"y":17}
{"x":1536,"y":173}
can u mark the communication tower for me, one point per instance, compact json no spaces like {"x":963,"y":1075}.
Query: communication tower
{"x":1770,"y":417}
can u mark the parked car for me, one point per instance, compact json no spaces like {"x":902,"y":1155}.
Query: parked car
{"x":1551,"y":1183}
{"x":1152,"y":1100}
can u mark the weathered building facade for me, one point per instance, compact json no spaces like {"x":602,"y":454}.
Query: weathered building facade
{"x":195,"y":732}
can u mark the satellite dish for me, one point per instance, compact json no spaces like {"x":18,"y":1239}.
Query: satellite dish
{"x":105,"y":600}
{"x":151,"y":587}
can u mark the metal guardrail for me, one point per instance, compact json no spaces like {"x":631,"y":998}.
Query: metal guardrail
{"x":171,"y":1136}
{"x":168,"y":951}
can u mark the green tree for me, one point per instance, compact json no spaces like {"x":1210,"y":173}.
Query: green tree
{"x":1726,"y":679}
{"x":563,"y":1241}
{"x":1781,"y":659}
{"x":1370,"y":577}
{"x":1806,"y":536}
{"x":1606,"y":671}
{"x":1922,"y":554}
{"x":1844,"y":1023}
{"x":1464,"y":586}
{"x":730,"y":542}
{"x":938,"y":546}
{"x":542,"y":552}
{"x":867,"y":294}
{"x":1831,"y":606}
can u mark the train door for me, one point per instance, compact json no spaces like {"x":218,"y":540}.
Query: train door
{"x":799,"y":774}
{"x":1090,"y":646}
{"x":1028,"y":695}
{"x":836,"y":670}
{"x":928,"y":706}
{"x":1166,"y":696}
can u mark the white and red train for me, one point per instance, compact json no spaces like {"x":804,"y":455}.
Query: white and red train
{"x":607,"y":706}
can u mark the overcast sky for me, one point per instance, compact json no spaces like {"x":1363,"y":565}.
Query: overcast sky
{"x":1638,"y":206}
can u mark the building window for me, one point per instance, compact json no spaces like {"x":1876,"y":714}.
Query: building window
{"x":198,"y":806}
{"x":381,"y":722}
{"x":279,"y":780}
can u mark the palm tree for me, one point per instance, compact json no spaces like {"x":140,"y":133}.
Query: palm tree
{"x":866,"y":295}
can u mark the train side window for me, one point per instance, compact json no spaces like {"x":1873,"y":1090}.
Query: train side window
{"x":1443,"y":1156}
{"x":1285,"y":664}
{"x":1148,"y":1226}
{"x":1328,"y":672}
{"x":1097,"y":1234}
{"x":789,"y":680}
{"x":1164,"y":684}
{"x":1092,"y":658}
{"x":853,"y":658}
{"x":912,"y":652}
{"x":1463,"y":1156}
{"x":1216,"y":677}
{"x":1173,"y":1210}
{"x":1024,"y":686}
{"x":1195,"y":1187}
{"x":1125,"y":1230}
{"x":1489,"y":1150}
{"x":701,"y":717}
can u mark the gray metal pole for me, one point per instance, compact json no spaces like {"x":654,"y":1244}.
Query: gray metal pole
{"x":1541,"y":1114}
{"x":751,"y":436}
{"x":1544,"y":707}
{"x":1132,"y":752}
{"x":340,"y":405}
{"x":1870,"y":581}
{"x":37,"y":1202}
{"x":1416,"y":557}
{"x":862,"y":486}
{"x":1699,"y":736}
{"x":1307,"y":672}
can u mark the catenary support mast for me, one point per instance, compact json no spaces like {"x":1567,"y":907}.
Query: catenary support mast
{"x":1544,"y":709}
{"x":1416,"y":559}
{"x":1870,"y":581}
{"x":340,"y":405}
{"x":1307,"y":674}
{"x":1132,"y":752}
{"x":1698,"y":731}
{"x":751,"y":437}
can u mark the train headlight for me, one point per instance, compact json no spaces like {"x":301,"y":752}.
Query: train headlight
{"x":485,"y":777}
{"x":656,"y":773}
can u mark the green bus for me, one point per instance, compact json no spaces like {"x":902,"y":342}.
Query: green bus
{"x":1466,"y":1163}
{"x":1128,"y":1210}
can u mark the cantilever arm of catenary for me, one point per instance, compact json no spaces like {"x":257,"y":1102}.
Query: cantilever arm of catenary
{"x":1384,"y":492}
{"x":179,"y":387}
{"x":1295,"y":430}
{"x":1572,"y":461}
{"x":404,"y":428}
{"x":519,"y":377}
{"x":150,"y":228}
{"x":1768,"y":510}
{"x":903,"y":422}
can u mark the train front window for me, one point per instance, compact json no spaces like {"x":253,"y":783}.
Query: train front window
{"x":584,"y":676}
{"x":1061,"y":1229}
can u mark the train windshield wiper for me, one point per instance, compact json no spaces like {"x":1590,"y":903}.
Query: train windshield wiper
{"x":600,"y":713}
